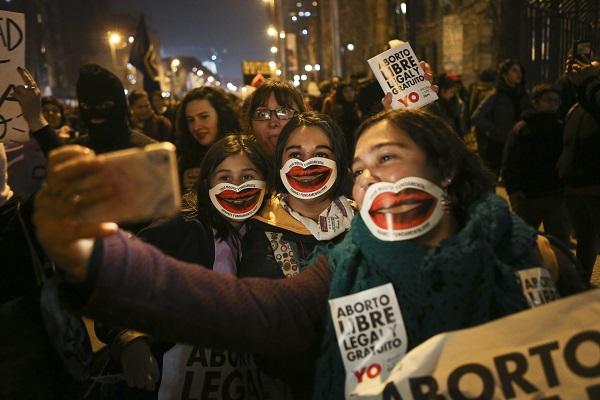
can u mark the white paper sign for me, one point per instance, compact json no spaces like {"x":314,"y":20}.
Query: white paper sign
{"x":548,"y":352}
{"x":12,"y":55}
{"x":398,"y":71}
{"x":538,"y":286}
{"x":371,"y":335}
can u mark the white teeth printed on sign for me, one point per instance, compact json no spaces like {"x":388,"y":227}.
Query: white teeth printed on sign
{"x":403,"y":210}
{"x":308,"y":179}
{"x":238,"y":202}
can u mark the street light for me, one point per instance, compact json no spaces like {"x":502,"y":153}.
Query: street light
{"x":114,"y":39}
{"x":282,"y":35}
{"x":130,"y":39}
{"x":271,"y":31}
{"x":350,"y":47}
{"x":308,"y":67}
{"x":274,"y":49}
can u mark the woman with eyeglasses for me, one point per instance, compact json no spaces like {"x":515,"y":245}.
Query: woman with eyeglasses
{"x":271,"y":107}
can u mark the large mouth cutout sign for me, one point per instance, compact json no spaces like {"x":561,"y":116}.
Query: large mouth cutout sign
{"x":308,"y":179}
{"x":403,"y":210}
{"x":238,"y":202}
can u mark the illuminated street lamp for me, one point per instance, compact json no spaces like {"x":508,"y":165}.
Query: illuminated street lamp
{"x":274,"y":49}
{"x":114,"y":39}
{"x":350,"y":47}
{"x":271,"y":31}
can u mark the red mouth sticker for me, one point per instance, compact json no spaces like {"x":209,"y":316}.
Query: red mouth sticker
{"x":402,"y":210}
{"x":406,"y":209}
{"x":308,"y":179}
{"x":239,"y":202}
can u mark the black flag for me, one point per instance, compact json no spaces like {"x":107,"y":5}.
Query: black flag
{"x":143,"y":56}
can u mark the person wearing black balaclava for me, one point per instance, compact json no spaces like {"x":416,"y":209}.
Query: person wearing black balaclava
{"x":103,"y":109}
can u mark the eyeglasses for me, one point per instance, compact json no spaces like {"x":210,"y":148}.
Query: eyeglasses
{"x":281,"y":113}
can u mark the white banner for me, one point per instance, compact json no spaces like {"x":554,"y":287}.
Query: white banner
{"x":12,"y":55}
{"x":548,"y":352}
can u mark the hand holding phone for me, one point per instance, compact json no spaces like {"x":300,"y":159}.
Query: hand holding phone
{"x":145,"y":185}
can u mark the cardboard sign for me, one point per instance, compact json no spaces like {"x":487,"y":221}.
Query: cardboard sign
{"x":398,"y":71}
{"x":548,"y":352}
{"x":12,"y":55}
{"x":371,"y":335}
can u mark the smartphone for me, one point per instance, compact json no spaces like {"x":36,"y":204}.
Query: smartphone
{"x":146,"y":185}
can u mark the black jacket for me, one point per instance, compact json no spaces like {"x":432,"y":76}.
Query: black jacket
{"x":531,"y":153}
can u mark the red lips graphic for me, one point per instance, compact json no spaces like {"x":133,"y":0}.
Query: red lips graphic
{"x":308,"y":179}
{"x":408,"y":208}
{"x":238,"y":202}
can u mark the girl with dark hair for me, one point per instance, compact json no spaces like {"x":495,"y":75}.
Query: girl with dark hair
{"x":271,"y":106}
{"x":204,"y":116}
{"x":431,"y":235}
{"x":497,"y":113}
{"x":209,"y":231}
{"x":309,"y":207}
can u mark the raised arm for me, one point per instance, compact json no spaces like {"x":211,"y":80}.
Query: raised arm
{"x":137,"y":285}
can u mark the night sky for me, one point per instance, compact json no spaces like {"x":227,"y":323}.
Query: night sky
{"x":235,"y":29}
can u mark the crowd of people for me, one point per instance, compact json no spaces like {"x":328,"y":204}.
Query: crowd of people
{"x":288,"y":202}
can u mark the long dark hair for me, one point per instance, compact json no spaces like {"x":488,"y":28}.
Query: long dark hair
{"x":190,"y":151}
{"x":338,"y":145}
{"x":285,"y":94}
{"x":197,"y":203}
{"x":447,"y":155}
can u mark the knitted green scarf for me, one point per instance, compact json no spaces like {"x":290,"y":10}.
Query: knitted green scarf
{"x":468,"y":280}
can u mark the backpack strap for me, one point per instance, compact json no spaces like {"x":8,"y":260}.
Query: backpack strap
{"x":549,"y":260}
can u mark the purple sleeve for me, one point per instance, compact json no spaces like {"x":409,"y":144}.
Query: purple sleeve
{"x":140,"y":287}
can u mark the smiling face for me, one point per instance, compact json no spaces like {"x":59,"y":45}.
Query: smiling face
{"x":385,"y":153}
{"x":235,"y":202}
{"x":312,"y":179}
{"x":202,"y":121}
{"x":394,"y":186}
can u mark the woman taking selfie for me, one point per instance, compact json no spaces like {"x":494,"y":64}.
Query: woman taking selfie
{"x":430,"y":225}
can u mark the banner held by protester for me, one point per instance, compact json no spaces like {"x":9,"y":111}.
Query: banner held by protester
{"x":12,"y":55}
{"x":550,"y":352}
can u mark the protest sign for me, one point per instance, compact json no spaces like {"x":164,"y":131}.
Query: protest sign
{"x":398,"y":71}
{"x":371,"y":335}
{"x":12,"y":55}
{"x":193,"y":372}
{"x":547,"y":352}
